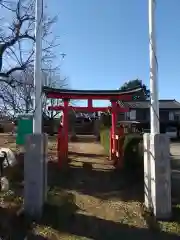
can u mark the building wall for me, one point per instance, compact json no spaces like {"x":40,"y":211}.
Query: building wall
{"x":164,"y":115}
{"x":144,"y":115}
{"x":121,"y":117}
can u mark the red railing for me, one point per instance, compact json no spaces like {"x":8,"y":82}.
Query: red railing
{"x":116,"y":147}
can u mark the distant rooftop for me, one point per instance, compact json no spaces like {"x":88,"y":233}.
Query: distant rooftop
{"x":163,"y":104}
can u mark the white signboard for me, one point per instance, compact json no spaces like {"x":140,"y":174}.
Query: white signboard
{"x":133,"y":115}
{"x":171,"y":116}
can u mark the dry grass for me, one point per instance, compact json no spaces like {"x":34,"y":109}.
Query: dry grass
{"x":88,"y":200}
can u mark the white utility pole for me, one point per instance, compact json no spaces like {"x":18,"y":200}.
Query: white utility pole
{"x":157,"y":170}
{"x":37,"y":121}
{"x":154,"y":109}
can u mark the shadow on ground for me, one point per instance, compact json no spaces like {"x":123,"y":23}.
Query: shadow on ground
{"x":87,"y":155}
{"x":104,"y":184}
{"x":100,"y":183}
{"x":61,"y":212}
{"x":86,"y":138}
{"x":62,"y":216}
{"x":95,"y":228}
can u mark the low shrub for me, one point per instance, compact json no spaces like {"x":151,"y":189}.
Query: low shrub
{"x":106,"y":120}
{"x":133,"y":154}
{"x":132,"y":151}
{"x":104,"y":138}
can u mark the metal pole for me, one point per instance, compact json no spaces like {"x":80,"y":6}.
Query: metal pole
{"x":154,"y":108}
{"x":37,"y":121}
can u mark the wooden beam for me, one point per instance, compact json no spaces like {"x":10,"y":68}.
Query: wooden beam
{"x":91,"y":97}
{"x":88,"y":109}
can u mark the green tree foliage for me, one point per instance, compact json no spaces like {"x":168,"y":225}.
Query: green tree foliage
{"x":142,"y":95}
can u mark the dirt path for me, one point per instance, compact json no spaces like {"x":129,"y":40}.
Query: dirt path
{"x":92,"y":201}
{"x":106,"y":206}
{"x":98,"y":194}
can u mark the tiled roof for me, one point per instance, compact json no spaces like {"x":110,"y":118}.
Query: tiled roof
{"x":163,"y":104}
{"x":63,"y":91}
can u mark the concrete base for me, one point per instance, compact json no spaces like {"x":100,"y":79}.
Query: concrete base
{"x":147,"y":171}
{"x":45,"y":137}
{"x":157,"y":173}
{"x":35,"y":174}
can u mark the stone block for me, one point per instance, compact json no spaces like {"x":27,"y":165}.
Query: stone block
{"x":147,"y":171}
{"x":160,"y":175}
{"x":45,"y":166}
{"x":35,"y":174}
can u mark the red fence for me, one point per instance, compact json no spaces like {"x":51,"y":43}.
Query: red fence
{"x":116,"y":147}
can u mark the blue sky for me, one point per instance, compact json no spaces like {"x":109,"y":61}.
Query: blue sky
{"x":106,"y":42}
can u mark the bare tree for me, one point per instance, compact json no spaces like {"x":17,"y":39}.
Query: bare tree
{"x":17,"y":37}
{"x":17,"y":54}
{"x":19,"y":100}
{"x":53,"y":80}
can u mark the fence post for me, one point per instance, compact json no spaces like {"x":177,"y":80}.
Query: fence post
{"x":59,"y":148}
{"x":111,"y":145}
{"x":160,"y":175}
{"x":157,"y":173}
{"x":35,"y":175}
{"x":147,"y":171}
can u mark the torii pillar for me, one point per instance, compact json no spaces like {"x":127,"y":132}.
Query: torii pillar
{"x":65,"y":127}
{"x":113,"y":129}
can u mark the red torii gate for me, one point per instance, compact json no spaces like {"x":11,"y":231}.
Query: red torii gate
{"x":114,"y":96}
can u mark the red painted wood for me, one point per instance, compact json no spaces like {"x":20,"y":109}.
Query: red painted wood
{"x":114,"y":123}
{"x":59,"y":146}
{"x":110,"y":145}
{"x":90,"y":104}
{"x":120,"y":132}
{"x":65,"y":127}
{"x":93,"y":97}
{"x":89,"y":109}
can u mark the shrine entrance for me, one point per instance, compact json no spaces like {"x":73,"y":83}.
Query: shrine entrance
{"x":116,"y":98}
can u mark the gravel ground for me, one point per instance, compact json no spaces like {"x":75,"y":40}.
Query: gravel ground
{"x":89,"y":200}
